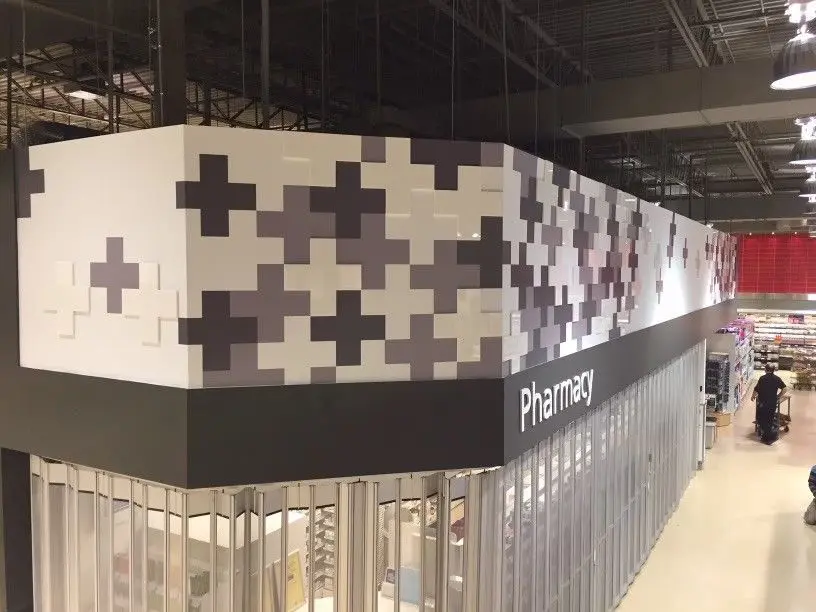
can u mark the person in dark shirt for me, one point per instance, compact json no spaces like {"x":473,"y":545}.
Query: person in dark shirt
{"x":767,"y":393}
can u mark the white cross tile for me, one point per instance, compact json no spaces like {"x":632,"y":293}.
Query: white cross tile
{"x":422,"y":224}
{"x":469,"y":203}
{"x":399,"y":176}
{"x":67,"y":300}
{"x":297,"y":355}
{"x":150,"y":304}
{"x":468,"y":326}
{"x":226,"y":263}
{"x":373,"y":368}
{"x":397,"y":302}
{"x":323,"y":277}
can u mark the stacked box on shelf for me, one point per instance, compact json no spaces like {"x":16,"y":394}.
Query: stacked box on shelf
{"x":717,"y":380}
{"x":765,"y":354}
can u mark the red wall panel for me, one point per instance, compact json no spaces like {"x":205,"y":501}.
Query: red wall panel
{"x":777,"y":264}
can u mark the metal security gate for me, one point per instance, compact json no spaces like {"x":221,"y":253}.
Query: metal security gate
{"x":563,"y":528}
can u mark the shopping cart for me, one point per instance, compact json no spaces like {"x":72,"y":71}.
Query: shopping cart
{"x":782,"y":419}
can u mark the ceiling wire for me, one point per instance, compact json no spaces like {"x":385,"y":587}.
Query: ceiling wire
{"x":556,"y":106}
{"x":150,"y":49}
{"x":378,"y":67}
{"x":506,"y":76}
{"x":22,"y":61}
{"x":537,"y":81}
{"x":453,"y":73}
{"x":160,"y":63}
{"x":323,"y":9}
{"x":98,"y":56}
{"x":243,"y":53}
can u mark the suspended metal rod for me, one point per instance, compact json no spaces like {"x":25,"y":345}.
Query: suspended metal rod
{"x":379,"y":62}
{"x":265,"y":44}
{"x":543,"y":35}
{"x":9,"y":61}
{"x":109,"y":75}
{"x":324,"y":88}
{"x":445,"y":8}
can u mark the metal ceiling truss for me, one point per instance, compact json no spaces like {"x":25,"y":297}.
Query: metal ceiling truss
{"x":42,"y":96}
{"x":647,"y":165}
{"x":490,"y":22}
{"x":695,"y":46}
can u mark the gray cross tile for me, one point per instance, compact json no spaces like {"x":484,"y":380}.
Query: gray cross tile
{"x":373,"y":149}
{"x":244,"y":370}
{"x":324,"y":374}
{"x":492,"y":154}
{"x":348,"y":200}
{"x":422,"y":350}
{"x":296,"y":224}
{"x":114,"y":274}
{"x":489,"y":364}
{"x":445,"y":276}
{"x":561,"y":177}
{"x":373,"y":251}
{"x":28,"y":181}
{"x":270,"y":304}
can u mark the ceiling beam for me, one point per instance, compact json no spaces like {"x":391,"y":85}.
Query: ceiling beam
{"x":741,"y":140}
{"x":748,"y":207}
{"x":694,"y":97}
{"x":545,"y":37}
{"x":445,"y":7}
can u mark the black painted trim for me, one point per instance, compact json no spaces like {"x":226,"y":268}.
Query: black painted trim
{"x":616,"y":364}
{"x":320,"y":431}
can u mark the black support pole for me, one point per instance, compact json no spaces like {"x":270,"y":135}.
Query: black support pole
{"x":112,"y":120}
{"x":207,"y":120}
{"x":9,"y":61}
{"x":16,"y":577}
{"x":171,"y":86}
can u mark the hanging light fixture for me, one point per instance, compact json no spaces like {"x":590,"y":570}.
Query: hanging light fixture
{"x":809,"y":191}
{"x":795,"y":65}
{"x":799,"y":12}
{"x":804,"y":151}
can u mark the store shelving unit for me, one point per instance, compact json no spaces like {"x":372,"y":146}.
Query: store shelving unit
{"x":785,"y":339}
{"x":323,"y":571}
{"x":717,"y":381}
{"x":734,"y":342}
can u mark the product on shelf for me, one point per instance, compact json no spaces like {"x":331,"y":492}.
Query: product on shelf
{"x":717,"y":380}
{"x":735,"y":342}
{"x":785,"y":340}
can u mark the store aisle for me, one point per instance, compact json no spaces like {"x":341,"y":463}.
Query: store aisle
{"x":737,"y":540}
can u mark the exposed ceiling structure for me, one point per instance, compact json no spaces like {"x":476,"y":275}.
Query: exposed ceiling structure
{"x":669,"y":99}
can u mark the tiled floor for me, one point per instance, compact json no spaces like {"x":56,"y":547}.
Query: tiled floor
{"x":737,"y":540}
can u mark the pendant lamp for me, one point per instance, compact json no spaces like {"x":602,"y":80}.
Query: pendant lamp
{"x":809,"y":190}
{"x":804,"y":151}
